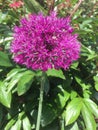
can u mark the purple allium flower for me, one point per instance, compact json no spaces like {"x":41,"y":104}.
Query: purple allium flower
{"x":43,"y":42}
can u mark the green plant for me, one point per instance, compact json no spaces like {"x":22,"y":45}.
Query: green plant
{"x":70,"y":100}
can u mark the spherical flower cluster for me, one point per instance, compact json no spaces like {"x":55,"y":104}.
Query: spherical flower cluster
{"x":45,"y":42}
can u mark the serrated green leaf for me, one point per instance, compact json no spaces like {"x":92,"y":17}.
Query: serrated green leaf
{"x":88,"y":118}
{"x":5,"y":97}
{"x":25,"y":82}
{"x":73,"y":110}
{"x":26,"y":124}
{"x":91,"y":106}
{"x":55,"y":73}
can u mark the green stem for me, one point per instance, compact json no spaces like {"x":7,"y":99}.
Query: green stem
{"x":62,"y":126}
{"x":40,"y":102}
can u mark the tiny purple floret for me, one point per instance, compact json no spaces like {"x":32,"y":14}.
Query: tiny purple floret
{"x":45,"y":42}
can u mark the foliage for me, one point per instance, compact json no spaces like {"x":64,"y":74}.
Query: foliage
{"x":70,"y":97}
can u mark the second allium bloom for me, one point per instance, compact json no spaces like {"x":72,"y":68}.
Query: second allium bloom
{"x":43,"y":42}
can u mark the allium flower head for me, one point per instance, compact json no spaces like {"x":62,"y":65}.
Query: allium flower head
{"x":43,"y":42}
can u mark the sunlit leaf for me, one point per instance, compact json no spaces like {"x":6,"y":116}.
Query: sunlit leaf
{"x":26,"y":124}
{"x":17,"y":125}
{"x":55,"y":73}
{"x":5,"y":97}
{"x":92,"y":106}
{"x":88,"y":118}
{"x":73,"y":110}
{"x":25,"y":82}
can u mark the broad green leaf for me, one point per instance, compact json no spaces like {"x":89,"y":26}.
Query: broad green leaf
{"x":25,"y":82}
{"x":55,"y":73}
{"x":73,"y":110}
{"x":48,"y":114}
{"x":88,"y":118}
{"x":13,"y":72}
{"x":93,"y":107}
{"x":34,"y":6}
{"x":17,"y":125}
{"x":10,"y":124}
{"x":14,"y":81}
{"x":26,"y":124}
{"x":4,"y":60}
{"x":14,"y":76}
{"x":5,"y":97}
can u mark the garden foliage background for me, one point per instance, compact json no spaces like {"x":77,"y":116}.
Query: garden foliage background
{"x":71,"y":96}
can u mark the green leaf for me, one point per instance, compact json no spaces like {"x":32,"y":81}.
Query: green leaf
{"x":61,"y":97}
{"x":13,"y":72}
{"x":4,"y":60}
{"x":73,"y":110}
{"x":55,"y":73}
{"x":96,"y":82}
{"x":34,"y":6}
{"x":25,"y":82}
{"x":48,"y":114}
{"x":92,"y":106}
{"x":17,"y":125}
{"x":26,"y":124}
{"x":13,"y":77}
{"x":5,"y":97}
{"x":73,"y":94}
{"x":82,"y":83}
{"x":10,"y":124}
{"x":75,"y":126}
{"x":72,"y":126}
{"x":14,"y":81}
{"x":88,"y":118}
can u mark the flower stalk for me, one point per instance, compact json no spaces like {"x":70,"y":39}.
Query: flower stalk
{"x":40,"y":102}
